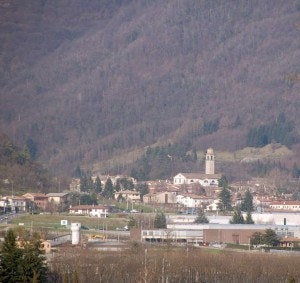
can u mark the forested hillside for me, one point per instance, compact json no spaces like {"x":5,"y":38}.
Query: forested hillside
{"x":96,"y":82}
{"x":18,"y":170}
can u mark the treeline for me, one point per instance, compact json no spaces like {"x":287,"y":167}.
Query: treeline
{"x":93,"y":187}
{"x":280,"y":131}
{"x":296,"y":171}
{"x":263,"y":168}
{"x":158,"y":162}
{"x":19,"y":170}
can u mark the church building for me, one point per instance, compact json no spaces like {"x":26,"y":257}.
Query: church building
{"x":209,"y":178}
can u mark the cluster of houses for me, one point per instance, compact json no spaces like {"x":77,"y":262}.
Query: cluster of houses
{"x":187,"y":191}
{"x":26,"y":202}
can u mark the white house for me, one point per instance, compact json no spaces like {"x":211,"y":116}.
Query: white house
{"x":192,"y":200}
{"x":91,"y":210}
{"x":13,"y":203}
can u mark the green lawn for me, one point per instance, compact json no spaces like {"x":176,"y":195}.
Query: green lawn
{"x":53,"y":221}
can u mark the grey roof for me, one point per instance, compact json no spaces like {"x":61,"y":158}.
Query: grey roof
{"x":57,"y":194}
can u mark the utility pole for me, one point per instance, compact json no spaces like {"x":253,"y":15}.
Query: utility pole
{"x":145,"y":279}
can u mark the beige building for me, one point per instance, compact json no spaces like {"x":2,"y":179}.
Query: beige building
{"x":75,"y":185}
{"x":45,"y":245}
{"x":57,"y":198}
{"x":285,"y":205}
{"x":40,"y":200}
{"x":160,"y":197}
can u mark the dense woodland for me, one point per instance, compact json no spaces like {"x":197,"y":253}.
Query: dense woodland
{"x":97,"y":83}
{"x":19,"y":172}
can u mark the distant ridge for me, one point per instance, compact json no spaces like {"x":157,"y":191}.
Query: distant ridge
{"x":91,"y":82}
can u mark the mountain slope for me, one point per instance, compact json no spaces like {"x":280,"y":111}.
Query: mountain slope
{"x":19,"y":172}
{"x":90,"y":81}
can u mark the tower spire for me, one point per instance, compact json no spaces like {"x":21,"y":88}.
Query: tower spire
{"x":209,"y":162}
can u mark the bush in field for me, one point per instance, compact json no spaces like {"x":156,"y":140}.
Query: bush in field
{"x":268,"y":238}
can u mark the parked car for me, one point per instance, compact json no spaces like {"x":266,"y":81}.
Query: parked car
{"x":133,"y":211}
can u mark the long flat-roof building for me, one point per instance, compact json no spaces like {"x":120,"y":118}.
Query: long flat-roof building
{"x":214,"y":233}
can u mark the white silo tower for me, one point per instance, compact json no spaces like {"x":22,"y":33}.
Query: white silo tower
{"x":75,"y":228}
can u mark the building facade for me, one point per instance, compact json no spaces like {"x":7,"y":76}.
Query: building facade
{"x":207,"y":179}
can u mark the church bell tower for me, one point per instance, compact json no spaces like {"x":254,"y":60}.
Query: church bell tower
{"x":209,"y":162}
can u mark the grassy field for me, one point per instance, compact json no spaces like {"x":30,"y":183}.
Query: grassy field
{"x":270,"y":151}
{"x":53,"y":221}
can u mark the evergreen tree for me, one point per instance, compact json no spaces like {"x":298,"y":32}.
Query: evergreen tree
{"x":237,"y":217}
{"x":90,"y":184}
{"x":22,"y":264}
{"x":108,"y":191}
{"x":87,"y":200}
{"x":98,"y":185}
{"x":247,"y":204}
{"x":224,"y":200}
{"x":238,"y":122}
{"x":256,"y":238}
{"x":223,"y":182}
{"x":160,"y":221}
{"x":201,"y":218}
{"x":270,"y":238}
{"x":143,"y":189}
{"x":249,"y":219}
{"x":10,"y":259}
{"x":295,"y":171}
{"x":130,"y":185}
{"x":32,"y":148}
{"x":33,"y":262}
{"x":118,"y":186}
{"x":83,"y":183}
{"x":77,"y":172}
{"x":195,"y":157}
